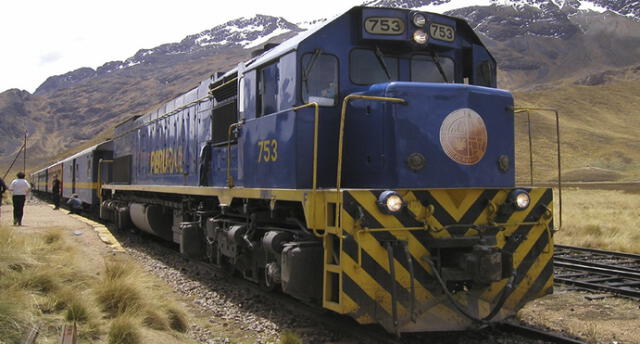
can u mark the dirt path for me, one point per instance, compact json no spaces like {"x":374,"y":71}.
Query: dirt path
{"x":40,"y":214}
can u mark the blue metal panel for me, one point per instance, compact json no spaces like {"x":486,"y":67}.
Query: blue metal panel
{"x":278,"y":150}
{"x":415,"y":128}
{"x":218,"y":177}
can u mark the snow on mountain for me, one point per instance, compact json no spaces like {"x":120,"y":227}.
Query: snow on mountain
{"x":629,"y":8}
{"x":246,"y":33}
{"x":498,"y":19}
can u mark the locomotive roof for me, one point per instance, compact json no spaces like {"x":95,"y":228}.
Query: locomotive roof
{"x":292,"y":43}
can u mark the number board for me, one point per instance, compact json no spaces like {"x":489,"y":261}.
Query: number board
{"x":384,"y":25}
{"x":442,"y":32}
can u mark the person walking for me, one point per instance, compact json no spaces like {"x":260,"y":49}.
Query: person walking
{"x":19,"y":187}
{"x":55,"y":190}
{"x":3,"y":188}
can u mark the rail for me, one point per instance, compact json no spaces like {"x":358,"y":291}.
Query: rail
{"x":594,"y":269}
{"x":528,"y":110}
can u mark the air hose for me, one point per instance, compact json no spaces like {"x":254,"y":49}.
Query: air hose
{"x":503,"y":298}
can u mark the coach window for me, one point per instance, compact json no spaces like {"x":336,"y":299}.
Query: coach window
{"x":320,"y":78}
{"x":429,"y":69}
{"x":372,"y":66}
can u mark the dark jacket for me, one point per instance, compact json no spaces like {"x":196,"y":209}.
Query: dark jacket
{"x":55,"y":187}
{"x":3,"y":187}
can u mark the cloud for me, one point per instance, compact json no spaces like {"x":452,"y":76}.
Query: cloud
{"x":50,"y":57}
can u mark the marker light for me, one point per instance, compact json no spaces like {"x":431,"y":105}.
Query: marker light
{"x":390,"y":202}
{"x":420,"y":37}
{"x":520,"y":199}
{"x":419,"y":20}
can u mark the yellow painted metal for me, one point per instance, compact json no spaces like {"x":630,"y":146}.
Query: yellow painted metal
{"x":337,"y":230}
{"x":433,"y":311}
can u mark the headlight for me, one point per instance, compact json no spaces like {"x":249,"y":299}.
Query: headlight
{"x":390,"y":202}
{"x":520,"y":199}
{"x":419,"y":20}
{"x":420,"y":37}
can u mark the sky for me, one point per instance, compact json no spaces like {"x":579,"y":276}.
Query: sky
{"x":42,"y":38}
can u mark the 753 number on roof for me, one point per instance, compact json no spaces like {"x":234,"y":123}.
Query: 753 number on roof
{"x":384,"y":26}
{"x":442,"y":32}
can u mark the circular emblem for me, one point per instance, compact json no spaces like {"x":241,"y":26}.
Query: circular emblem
{"x":463,"y":136}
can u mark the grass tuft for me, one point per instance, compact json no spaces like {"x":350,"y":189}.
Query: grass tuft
{"x":288,"y":337}
{"x":39,"y":280}
{"x":118,"y":269}
{"x":124,"y":330}
{"x":13,"y":322}
{"x":155,"y":320}
{"x":119,"y":296}
{"x":77,"y":311}
{"x":177,"y":319}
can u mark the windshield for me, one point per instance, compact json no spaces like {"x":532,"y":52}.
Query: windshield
{"x":424,"y":69}
{"x":367,"y":68}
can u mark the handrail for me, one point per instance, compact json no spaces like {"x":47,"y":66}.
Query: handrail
{"x":343,"y":115}
{"x":314,"y":186}
{"x":99,"y":188}
{"x":222,"y":85}
{"x":229,"y":177}
{"x":555,"y":111}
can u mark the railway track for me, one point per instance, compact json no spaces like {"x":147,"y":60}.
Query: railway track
{"x":345,"y":327}
{"x":593,"y":269}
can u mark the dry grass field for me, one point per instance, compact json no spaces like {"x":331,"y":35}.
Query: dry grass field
{"x":48,"y":280}
{"x":598,"y":130}
{"x":604,"y":219}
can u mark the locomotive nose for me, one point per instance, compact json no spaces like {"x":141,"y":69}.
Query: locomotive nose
{"x":446,"y":135}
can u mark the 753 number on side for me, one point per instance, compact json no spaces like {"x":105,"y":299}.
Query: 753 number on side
{"x":268,"y":150}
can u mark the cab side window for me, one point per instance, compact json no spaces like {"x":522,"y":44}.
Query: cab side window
{"x":320,"y":79}
{"x":267,"y":90}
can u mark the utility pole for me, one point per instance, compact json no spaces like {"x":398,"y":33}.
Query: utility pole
{"x":24,"y":163}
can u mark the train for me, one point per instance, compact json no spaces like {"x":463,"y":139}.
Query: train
{"x":366,"y":165}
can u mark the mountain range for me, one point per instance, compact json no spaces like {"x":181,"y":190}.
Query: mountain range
{"x":544,"y":48}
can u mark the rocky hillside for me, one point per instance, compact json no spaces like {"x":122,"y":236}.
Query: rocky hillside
{"x":549,"y":46}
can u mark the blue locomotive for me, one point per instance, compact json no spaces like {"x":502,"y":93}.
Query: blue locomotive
{"x":366,"y":165}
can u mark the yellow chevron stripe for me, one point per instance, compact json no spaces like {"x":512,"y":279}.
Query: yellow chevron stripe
{"x":521,"y":252}
{"x":534,"y":272}
{"x":371,"y":245}
{"x":456,"y":202}
{"x":483,"y":218}
{"x":352,"y":305}
{"x":369,"y":285}
{"x":432,"y":221}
